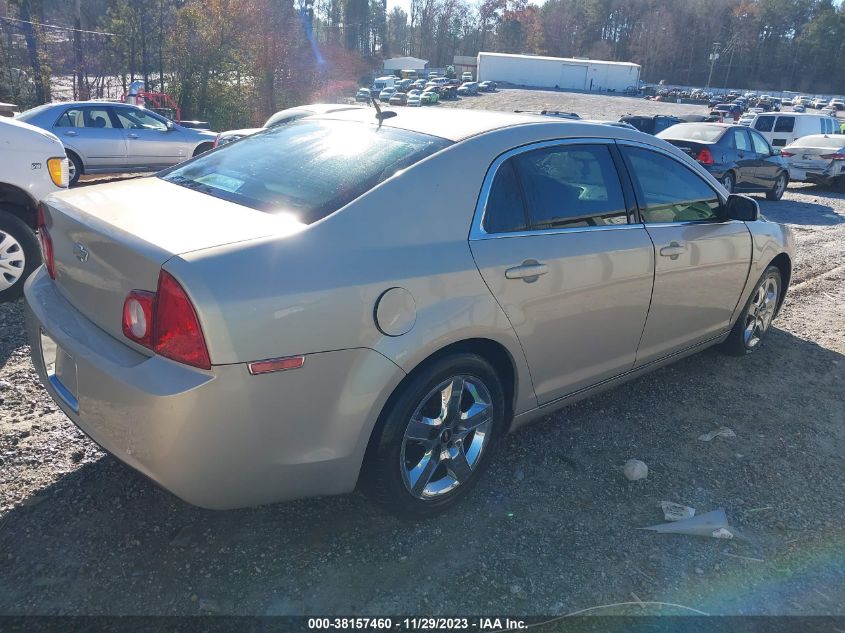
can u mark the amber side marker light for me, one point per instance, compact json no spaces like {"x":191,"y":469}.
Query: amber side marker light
{"x":276,"y":364}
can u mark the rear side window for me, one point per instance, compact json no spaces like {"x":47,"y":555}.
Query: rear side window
{"x":668,"y":190}
{"x":309,"y":168}
{"x":571,"y":186}
{"x":764,"y":123}
{"x":739,"y":140}
{"x":505,"y":210}
{"x":785,"y":124}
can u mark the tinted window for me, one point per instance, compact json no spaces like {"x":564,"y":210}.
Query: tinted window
{"x":505,"y":210}
{"x":739,"y":140}
{"x":785,"y":124}
{"x":669,"y":191}
{"x":309,"y":169}
{"x":760,"y":144}
{"x":573,"y":185}
{"x":764,"y":123}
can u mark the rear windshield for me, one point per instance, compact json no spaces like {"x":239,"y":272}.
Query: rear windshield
{"x":693,"y":132}
{"x":310,"y":168}
{"x":831,"y":142}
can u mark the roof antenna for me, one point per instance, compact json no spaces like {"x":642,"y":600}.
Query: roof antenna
{"x":381,"y":115}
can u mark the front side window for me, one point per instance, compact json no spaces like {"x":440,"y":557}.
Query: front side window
{"x":132,"y":119}
{"x":571,"y":186}
{"x":760,"y":144}
{"x":764,"y":123}
{"x":308,"y":169}
{"x":668,"y":190}
{"x":785,"y":124}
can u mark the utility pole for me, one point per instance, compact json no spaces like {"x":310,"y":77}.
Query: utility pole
{"x":732,"y":46}
{"x":713,"y":57}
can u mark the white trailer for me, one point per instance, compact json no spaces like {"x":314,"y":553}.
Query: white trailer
{"x":564,"y":73}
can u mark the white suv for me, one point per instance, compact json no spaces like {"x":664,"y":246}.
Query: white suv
{"x":34,"y":166}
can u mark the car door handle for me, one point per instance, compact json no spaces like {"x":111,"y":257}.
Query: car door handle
{"x":70,"y":133}
{"x":673,"y":250}
{"x":132,"y":135}
{"x":528,"y":271}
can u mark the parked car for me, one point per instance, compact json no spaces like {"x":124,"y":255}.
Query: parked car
{"x":430,"y":96}
{"x":398,"y":374}
{"x":799,"y":108}
{"x":283,"y":117}
{"x":746,"y":118}
{"x":363,"y":94}
{"x":468,"y":88}
{"x":414,"y":100}
{"x":399,"y":98}
{"x":387,"y":81}
{"x":738,"y":157}
{"x":782,"y":129}
{"x":405,"y":85}
{"x":488,"y":86}
{"x":102,"y":137}
{"x":466,"y":76}
{"x":449,"y":92}
{"x":419,"y":84}
{"x":651,"y":124}
{"x":34,"y":166}
{"x":818,"y":103}
{"x":802,"y":100}
{"x":387,"y":93}
{"x":726,"y":111}
{"x":837,"y":104}
{"x":817,"y":158}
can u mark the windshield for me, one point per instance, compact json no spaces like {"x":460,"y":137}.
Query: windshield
{"x":693,"y":132}
{"x":308,"y":169}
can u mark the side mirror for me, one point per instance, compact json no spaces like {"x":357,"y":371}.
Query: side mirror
{"x":775,"y":151}
{"x":741,"y":208}
{"x":170,"y":126}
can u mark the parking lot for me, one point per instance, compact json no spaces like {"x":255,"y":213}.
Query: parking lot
{"x":551,"y":529}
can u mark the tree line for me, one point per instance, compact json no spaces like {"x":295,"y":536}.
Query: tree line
{"x":235,"y":61}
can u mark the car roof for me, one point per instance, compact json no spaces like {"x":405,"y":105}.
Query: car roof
{"x":815,"y":137}
{"x":457,"y":125}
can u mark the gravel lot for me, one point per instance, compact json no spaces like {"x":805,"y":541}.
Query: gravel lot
{"x":551,"y":528}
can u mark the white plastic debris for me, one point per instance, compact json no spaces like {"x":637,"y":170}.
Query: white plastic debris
{"x":722,"y":431}
{"x":712,"y":524}
{"x":676,"y":511}
{"x":634,"y":469}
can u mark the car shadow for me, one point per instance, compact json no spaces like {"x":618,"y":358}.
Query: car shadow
{"x":548,"y":521}
{"x":815,"y":209}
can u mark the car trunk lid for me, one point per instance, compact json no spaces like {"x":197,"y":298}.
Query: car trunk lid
{"x":114,"y":238}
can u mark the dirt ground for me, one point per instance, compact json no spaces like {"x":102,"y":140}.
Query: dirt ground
{"x":551,"y":528}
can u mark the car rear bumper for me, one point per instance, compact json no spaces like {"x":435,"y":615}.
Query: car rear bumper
{"x":221,"y":438}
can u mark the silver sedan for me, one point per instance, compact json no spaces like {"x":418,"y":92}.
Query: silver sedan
{"x":264,"y":322}
{"x":103,"y":137}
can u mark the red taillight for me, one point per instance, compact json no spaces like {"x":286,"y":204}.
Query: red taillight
{"x":138,"y":317}
{"x":836,"y":156}
{"x":704,"y":156}
{"x":166,"y":322}
{"x":46,"y":241}
{"x":787,"y":154}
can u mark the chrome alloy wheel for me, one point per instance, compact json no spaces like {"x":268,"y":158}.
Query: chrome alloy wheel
{"x":71,"y":170}
{"x":12,"y":260}
{"x":761,"y":311}
{"x":446,"y":437}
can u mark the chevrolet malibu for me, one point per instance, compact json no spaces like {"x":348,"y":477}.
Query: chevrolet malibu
{"x":265,"y":322}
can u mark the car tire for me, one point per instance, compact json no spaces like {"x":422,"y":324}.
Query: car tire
{"x":757,"y":315}
{"x":203,"y":148}
{"x":419,"y":469}
{"x":75,"y":168}
{"x":728,"y":182}
{"x":776,"y":193}
{"x":20,"y":255}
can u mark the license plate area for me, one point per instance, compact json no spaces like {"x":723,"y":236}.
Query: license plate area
{"x":61,"y":371}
